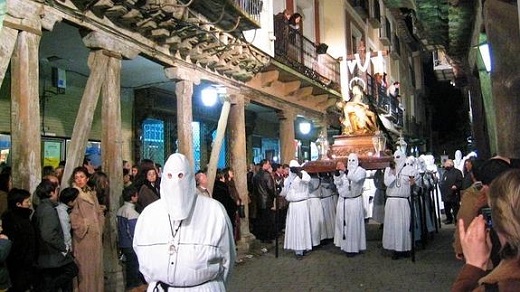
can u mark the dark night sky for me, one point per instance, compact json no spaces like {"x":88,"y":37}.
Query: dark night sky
{"x":450,"y":117}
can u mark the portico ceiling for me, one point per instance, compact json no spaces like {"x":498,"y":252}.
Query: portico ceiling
{"x":446,"y":24}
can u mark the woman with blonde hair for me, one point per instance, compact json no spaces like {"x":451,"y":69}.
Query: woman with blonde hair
{"x":504,"y":200}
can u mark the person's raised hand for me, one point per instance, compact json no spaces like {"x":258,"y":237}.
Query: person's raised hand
{"x":475,"y":241}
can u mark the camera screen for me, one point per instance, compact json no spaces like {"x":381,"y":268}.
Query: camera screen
{"x":486,"y":212}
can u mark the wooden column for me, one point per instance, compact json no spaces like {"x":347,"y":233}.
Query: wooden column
{"x":504,"y":40}
{"x":97,"y":62}
{"x":217,"y":142}
{"x":287,"y":150}
{"x":109,"y":83}
{"x":238,"y":161}
{"x":111,"y":153}
{"x":184,"y":79}
{"x":25,"y":112}
{"x":8,"y":37}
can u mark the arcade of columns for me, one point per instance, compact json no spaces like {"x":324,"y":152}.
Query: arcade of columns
{"x":21,"y":37}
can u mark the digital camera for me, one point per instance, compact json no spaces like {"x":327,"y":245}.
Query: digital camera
{"x":486,"y":212}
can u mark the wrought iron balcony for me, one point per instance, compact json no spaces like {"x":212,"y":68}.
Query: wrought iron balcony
{"x":293,"y":49}
{"x":385,"y":104}
{"x":230,"y":15}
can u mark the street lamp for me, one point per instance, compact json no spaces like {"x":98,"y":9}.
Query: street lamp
{"x":305,"y":127}
{"x":486,"y":57}
{"x":209,"y":96}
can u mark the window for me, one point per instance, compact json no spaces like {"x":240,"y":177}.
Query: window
{"x":153,"y":140}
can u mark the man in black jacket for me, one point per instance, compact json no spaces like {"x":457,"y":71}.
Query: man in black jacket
{"x":450,"y":186}
{"x":264,"y":193}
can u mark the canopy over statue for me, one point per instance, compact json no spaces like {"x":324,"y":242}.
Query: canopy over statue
{"x":357,"y":118}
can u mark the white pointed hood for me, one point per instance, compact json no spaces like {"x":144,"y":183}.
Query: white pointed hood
{"x":399,"y":159}
{"x":353,"y":162}
{"x":178,"y":188}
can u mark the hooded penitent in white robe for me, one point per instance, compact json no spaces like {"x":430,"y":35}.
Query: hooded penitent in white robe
{"x":316,"y":212}
{"x":350,"y":215}
{"x":328,"y":203}
{"x":297,"y":224}
{"x":183,"y":240}
{"x":396,"y":231}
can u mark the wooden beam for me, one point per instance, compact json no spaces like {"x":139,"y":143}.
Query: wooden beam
{"x":319,"y":98}
{"x":290,"y":87}
{"x":217,"y":144}
{"x":303,"y":93}
{"x":176,"y":73}
{"x":267,"y":78}
{"x":25,"y":110}
{"x":98,"y":65}
{"x":9,"y":37}
{"x":184,"y":94}
{"x":100,"y":40}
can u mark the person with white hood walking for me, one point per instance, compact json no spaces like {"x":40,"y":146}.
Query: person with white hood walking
{"x":350,"y":217}
{"x":396,"y":231}
{"x":298,"y":225}
{"x":184,"y":241}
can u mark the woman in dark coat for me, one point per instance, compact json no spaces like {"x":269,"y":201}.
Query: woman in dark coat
{"x":16,"y":224}
{"x":149,"y":191}
{"x":221,"y":194}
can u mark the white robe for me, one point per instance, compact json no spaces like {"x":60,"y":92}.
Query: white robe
{"x":298,"y":223}
{"x":205,"y":249}
{"x":328,"y":203}
{"x":316,"y":212}
{"x":396,"y":231}
{"x":350,"y":233}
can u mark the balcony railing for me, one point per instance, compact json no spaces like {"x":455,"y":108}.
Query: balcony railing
{"x":230,"y":15}
{"x":384,"y":103}
{"x":298,"y":52}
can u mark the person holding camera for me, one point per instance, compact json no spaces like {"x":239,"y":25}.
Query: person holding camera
{"x":503,"y":198}
{"x":475,"y":200}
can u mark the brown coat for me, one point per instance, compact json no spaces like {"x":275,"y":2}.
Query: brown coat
{"x":471,"y":202}
{"x":506,"y":276}
{"x":87,"y":221}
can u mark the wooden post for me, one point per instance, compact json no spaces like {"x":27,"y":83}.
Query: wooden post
{"x":25,"y":112}
{"x":8,"y":37}
{"x":111,"y":153}
{"x":111,"y":141}
{"x":504,"y":39}
{"x":185,"y":79}
{"x":98,"y":65}
{"x":286,"y":118}
{"x":238,"y":152}
{"x":217,"y":143}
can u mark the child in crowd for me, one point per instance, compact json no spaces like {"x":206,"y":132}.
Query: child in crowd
{"x":126,"y":221}
{"x":16,"y":224}
{"x":56,"y":266}
{"x":127,"y":178}
{"x":67,"y":200}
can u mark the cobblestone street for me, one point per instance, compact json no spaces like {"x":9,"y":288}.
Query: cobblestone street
{"x":328,"y":269}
